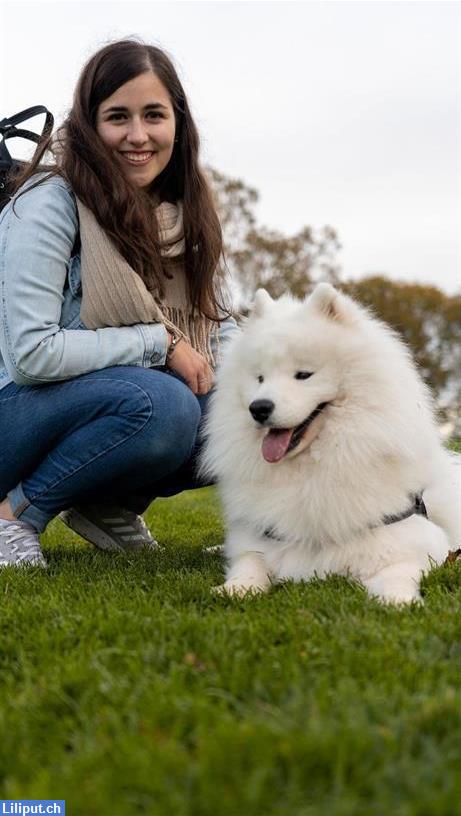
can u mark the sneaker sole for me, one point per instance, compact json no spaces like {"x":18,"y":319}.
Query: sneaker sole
{"x":84,"y":528}
{"x":23,"y":564}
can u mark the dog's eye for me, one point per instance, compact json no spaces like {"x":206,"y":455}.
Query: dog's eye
{"x":303,"y":375}
{"x":260,"y":378}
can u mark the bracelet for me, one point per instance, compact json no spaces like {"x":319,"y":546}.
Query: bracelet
{"x":174,"y":342}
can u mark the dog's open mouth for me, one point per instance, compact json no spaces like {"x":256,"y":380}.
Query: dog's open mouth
{"x":280,"y":441}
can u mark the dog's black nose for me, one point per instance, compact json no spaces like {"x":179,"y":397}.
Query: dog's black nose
{"x":261,"y":409}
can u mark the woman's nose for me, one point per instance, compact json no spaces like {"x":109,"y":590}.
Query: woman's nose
{"x":137,"y":133}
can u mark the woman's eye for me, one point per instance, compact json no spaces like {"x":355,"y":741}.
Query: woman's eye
{"x":116,"y":117}
{"x":303,"y":375}
{"x":260,"y":378}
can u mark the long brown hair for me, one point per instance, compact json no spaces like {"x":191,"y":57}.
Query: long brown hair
{"x":121,"y":209}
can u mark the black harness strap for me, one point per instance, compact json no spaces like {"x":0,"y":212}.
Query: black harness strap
{"x":417,"y":508}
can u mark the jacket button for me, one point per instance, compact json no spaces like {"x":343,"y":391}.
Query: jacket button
{"x":155,"y":357}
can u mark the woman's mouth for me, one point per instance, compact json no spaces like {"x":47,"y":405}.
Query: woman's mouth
{"x":137,"y":158}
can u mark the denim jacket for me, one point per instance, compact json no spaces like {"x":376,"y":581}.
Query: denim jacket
{"x":42,"y":338}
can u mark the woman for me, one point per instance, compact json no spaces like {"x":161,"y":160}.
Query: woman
{"x":112,"y":319}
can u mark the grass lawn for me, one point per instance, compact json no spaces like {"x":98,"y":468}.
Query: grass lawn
{"x":127,"y":688}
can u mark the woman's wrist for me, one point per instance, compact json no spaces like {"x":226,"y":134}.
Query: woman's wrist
{"x":173,"y":340}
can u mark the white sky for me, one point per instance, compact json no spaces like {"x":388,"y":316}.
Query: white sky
{"x":340,"y":113}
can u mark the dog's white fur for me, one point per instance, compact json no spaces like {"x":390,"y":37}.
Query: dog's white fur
{"x":374,"y":445}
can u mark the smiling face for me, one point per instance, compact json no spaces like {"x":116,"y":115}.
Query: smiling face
{"x":138,"y":124}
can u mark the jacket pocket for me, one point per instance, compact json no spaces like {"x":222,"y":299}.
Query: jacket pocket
{"x":75,"y":277}
{"x":70,"y":312}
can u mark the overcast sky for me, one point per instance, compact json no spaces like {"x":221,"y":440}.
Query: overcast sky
{"x":345,"y":114}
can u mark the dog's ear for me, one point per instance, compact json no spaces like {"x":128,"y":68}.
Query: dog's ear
{"x":262,"y":301}
{"x":333,"y":304}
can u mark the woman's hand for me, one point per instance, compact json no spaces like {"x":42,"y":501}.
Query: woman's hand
{"x":192,"y":366}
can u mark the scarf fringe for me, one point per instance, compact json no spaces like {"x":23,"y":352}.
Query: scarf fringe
{"x":195,"y":330}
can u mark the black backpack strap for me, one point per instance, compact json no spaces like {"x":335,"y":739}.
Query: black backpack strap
{"x":8,"y":130}
{"x":17,"y":118}
{"x":8,"y":125}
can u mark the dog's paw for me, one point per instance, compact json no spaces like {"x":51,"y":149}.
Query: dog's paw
{"x":398,"y":597}
{"x":397,"y":593}
{"x":396,"y":584}
{"x":237,"y":590}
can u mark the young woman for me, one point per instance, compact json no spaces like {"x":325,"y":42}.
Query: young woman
{"x":112,"y":318}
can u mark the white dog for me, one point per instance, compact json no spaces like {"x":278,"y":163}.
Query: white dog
{"x":322,"y":437}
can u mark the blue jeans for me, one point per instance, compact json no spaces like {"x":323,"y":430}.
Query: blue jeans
{"x":123,"y":435}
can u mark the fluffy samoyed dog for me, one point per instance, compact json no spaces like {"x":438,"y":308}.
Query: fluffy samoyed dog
{"x":322,"y":437}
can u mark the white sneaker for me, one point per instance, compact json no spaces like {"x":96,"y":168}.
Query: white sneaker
{"x":19,"y":544}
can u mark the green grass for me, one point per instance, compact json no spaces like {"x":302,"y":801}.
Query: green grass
{"x":456,"y":445}
{"x":127,"y":688}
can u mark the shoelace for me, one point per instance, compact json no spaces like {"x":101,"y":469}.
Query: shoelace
{"x":143,"y":525}
{"x":15,"y":532}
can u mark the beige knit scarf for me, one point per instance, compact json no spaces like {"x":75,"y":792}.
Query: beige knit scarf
{"x":113,"y":294}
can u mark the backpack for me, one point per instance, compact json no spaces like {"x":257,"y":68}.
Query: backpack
{"x":8,"y":165}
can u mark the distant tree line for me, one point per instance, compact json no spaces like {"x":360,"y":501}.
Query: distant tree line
{"x":428,"y":319}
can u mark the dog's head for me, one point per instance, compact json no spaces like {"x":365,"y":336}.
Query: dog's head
{"x":291,"y":359}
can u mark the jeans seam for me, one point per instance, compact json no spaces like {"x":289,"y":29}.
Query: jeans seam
{"x":94,"y":458}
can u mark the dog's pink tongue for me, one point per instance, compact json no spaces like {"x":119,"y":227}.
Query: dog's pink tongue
{"x":275,"y":444}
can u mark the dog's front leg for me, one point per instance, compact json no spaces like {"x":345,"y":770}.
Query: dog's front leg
{"x":247,"y":569}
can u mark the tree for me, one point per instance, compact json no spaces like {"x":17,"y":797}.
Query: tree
{"x":259,"y":257}
{"x":429,"y":321}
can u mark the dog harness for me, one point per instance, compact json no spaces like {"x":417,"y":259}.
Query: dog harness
{"x":417,"y":508}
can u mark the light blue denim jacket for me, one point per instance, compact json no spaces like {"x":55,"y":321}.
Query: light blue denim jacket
{"x":42,"y":338}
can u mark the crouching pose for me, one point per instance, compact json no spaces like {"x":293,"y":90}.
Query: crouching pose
{"x":112,"y":319}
